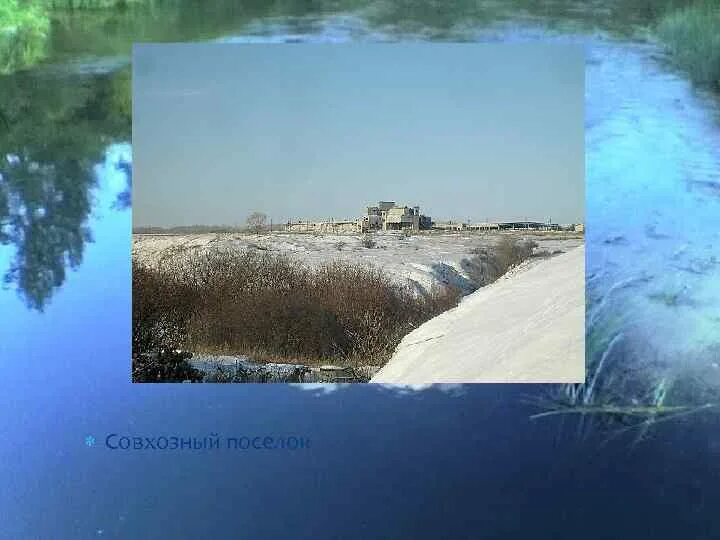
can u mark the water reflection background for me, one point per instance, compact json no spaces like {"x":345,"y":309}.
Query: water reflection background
{"x":441,"y":461}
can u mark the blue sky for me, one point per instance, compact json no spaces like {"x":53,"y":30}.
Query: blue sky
{"x":465,"y":131}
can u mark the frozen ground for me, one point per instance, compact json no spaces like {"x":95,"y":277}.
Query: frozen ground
{"x":240,"y":368}
{"x":424,"y":259}
{"x":528,"y":326}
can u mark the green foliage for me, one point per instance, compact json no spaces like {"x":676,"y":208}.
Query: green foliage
{"x":24,"y":30}
{"x":436,"y":15}
{"x":53,"y":133}
{"x":91,"y":4}
{"x":109,"y":27}
{"x":692,"y":35}
{"x":121,"y":96}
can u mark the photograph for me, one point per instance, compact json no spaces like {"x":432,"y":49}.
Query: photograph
{"x":400,"y":214}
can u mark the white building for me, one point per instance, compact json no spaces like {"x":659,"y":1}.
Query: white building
{"x":386,"y":216}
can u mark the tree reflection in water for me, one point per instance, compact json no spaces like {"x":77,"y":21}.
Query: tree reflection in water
{"x":53,"y":131}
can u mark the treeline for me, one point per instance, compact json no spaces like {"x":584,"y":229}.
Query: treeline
{"x":189,"y":229}
{"x":201,"y":229}
{"x":688,"y":28}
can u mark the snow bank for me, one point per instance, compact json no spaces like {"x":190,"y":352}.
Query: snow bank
{"x":526,"y":327}
{"x":421,"y":260}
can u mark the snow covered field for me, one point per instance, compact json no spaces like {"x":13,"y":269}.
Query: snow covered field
{"x":529,"y":326}
{"x":423,"y":259}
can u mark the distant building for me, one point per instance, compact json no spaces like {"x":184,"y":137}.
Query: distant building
{"x":528,"y":225}
{"x":385,"y":216}
{"x":497,"y":226}
{"x":449,"y":225}
{"x":329,"y":226}
{"x":388,"y":216}
{"x":384,"y":206}
{"x":484,"y":226}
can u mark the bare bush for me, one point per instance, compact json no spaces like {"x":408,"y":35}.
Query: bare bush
{"x":267,"y":306}
{"x":510,"y":252}
{"x":161,"y":311}
{"x":367,"y":242}
{"x":488,"y":264}
{"x":257,"y":222}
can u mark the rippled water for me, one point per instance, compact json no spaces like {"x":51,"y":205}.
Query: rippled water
{"x":653,"y":173}
{"x":652,"y":211}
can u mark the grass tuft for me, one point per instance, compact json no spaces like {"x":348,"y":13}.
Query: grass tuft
{"x":24,"y":30}
{"x":692,"y":36}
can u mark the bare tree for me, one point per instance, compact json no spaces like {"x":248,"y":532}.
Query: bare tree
{"x":256,"y":222}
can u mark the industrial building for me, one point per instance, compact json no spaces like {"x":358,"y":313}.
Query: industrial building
{"x":388,"y":216}
{"x":329,"y":226}
{"x":497,"y":226}
{"x":385,"y":216}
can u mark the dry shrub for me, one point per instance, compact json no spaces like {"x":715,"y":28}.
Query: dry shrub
{"x":367,"y":242}
{"x":488,"y":264}
{"x":161,"y":310}
{"x":268,"y":306}
{"x":510,"y":252}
